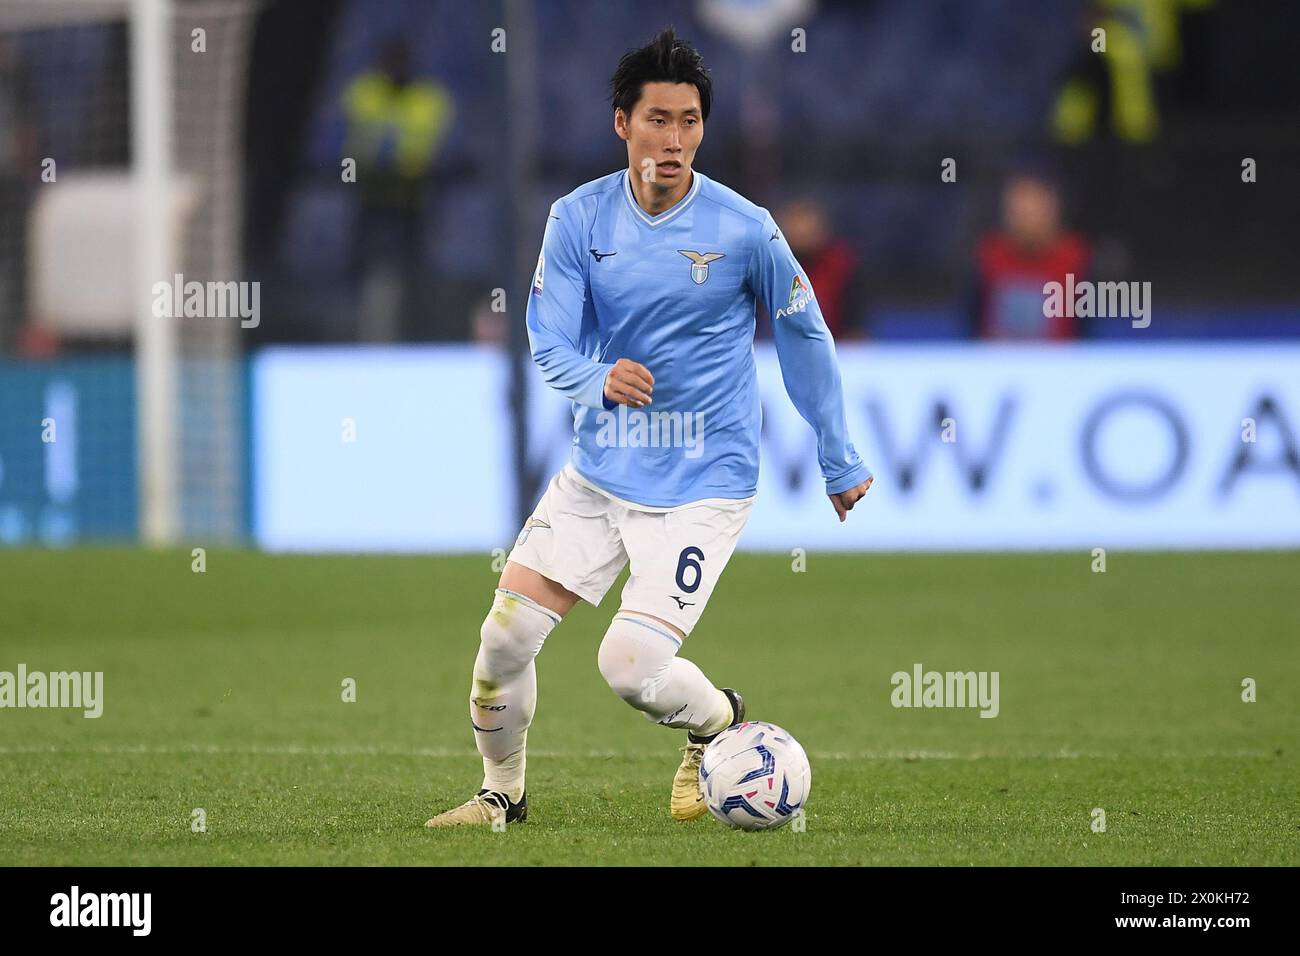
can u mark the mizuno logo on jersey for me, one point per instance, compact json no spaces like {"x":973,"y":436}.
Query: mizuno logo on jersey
{"x":700,"y":263}
{"x":601,"y":255}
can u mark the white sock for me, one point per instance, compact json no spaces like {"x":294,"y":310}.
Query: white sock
{"x":638,"y":659}
{"x":720,"y":720}
{"x":503,"y":697}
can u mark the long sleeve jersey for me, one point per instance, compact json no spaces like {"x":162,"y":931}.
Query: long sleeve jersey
{"x":676,"y":292}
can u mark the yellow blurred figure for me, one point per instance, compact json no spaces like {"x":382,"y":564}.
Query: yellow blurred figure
{"x":1141,"y":38}
{"x":395,"y":122}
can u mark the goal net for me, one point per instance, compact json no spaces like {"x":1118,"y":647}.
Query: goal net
{"x":120,"y":162}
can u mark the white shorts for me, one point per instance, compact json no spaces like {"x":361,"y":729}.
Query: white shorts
{"x":581,"y":537}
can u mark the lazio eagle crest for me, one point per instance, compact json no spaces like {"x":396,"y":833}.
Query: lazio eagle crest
{"x":700,"y":263}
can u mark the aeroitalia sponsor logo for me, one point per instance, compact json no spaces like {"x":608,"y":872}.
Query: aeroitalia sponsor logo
{"x":56,"y":689}
{"x":801,"y":294}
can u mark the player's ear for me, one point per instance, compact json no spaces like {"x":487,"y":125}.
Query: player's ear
{"x":620,"y":124}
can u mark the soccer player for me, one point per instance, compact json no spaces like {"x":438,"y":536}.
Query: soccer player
{"x":642,"y":313}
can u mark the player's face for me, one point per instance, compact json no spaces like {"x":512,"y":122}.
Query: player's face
{"x":663,"y":132}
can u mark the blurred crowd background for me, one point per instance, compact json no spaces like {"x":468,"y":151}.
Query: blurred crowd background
{"x":363,"y":172}
{"x":1121,"y":165}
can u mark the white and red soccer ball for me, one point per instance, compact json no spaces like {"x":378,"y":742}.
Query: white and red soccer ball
{"x":755,"y":776}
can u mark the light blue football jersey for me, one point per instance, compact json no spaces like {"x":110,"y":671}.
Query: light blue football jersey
{"x":676,"y":293}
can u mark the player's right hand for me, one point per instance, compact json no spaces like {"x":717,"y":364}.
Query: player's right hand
{"x":629,"y":383}
{"x":846,"y":499}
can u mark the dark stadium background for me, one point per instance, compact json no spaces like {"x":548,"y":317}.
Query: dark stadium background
{"x":852,"y":130}
{"x":184,"y":501}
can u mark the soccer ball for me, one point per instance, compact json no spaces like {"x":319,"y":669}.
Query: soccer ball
{"x":755,"y":776}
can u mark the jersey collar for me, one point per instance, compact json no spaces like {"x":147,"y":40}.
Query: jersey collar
{"x":668,"y":214}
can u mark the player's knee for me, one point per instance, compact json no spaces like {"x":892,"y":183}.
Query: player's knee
{"x":627,"y":663}
{"x":617,"y":660}
{"x":513,"y":632}
{"x":498,"y":645}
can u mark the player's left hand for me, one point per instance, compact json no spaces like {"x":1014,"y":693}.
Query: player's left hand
{"x":845,"y":500}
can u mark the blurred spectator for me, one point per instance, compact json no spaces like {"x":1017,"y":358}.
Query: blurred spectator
{"x":830,"y":262}
{"x":395,"y":125}
{"x":488,"y":326}
{"x":1116,"y":87}
{"x":1032,"y":247}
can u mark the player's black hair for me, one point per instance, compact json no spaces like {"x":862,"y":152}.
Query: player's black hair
{"x":665,"y":59}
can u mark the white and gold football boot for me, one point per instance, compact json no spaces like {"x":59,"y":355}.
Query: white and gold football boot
{"x":687,"y":802}
{"x":482,"y":809}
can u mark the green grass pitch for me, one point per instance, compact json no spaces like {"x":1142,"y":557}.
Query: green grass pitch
{"x":1119,"y":690}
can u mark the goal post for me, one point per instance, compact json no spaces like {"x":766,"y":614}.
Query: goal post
{"x":137,"y":108}
{"x":156,"y":354}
